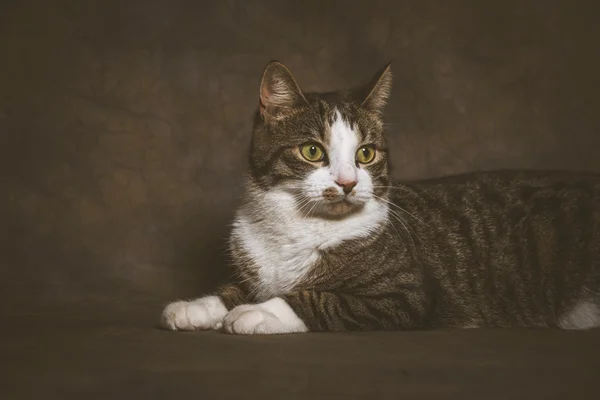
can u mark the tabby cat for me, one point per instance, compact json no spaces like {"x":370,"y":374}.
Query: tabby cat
{"x":325,"y":241}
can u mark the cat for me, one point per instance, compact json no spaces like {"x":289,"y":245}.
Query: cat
{"x":326,"y":241}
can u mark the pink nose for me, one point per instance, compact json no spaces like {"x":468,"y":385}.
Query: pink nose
{"x":346,"y":186}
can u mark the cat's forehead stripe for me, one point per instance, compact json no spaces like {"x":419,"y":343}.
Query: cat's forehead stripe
{"x":343,"y":139}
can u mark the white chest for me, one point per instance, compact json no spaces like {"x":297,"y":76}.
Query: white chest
{"x":284,"y":245}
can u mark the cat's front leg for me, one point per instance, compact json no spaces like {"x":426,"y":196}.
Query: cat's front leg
{"x":199,"y":314}
{"x":327,"y":311}
{"x":274,"y":316}
{"x":203,"y":313}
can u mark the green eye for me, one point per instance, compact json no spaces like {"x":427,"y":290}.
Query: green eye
{"x":365,"y":154}
{"x":312,"y":152}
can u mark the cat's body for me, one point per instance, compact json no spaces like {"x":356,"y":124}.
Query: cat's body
{"x":324,"y":241}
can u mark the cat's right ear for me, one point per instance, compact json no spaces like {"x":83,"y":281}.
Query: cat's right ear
{"x":375,"y":94}
{"x":278,"y":91}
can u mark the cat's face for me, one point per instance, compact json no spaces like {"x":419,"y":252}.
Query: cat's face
{"x":327,"y":150}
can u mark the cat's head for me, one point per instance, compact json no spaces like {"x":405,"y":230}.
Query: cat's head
{"x":326,"y":149}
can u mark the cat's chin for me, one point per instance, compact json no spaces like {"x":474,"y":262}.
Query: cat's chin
{"x":339,"y":209}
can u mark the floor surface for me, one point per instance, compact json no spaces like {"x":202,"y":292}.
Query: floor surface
{"x":86,"y":358}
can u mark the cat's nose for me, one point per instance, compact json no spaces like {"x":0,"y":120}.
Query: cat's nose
{"x":346,"y":185}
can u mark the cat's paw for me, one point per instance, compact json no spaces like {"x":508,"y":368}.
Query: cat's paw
{"x":271,"y":317}
{"x":200,"y":314}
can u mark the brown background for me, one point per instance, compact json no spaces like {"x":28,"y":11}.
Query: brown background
{"x":124,"y":126}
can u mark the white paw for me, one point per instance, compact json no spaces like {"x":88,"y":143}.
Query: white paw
{"x":271,"y":317}
{"x":204,"y":313}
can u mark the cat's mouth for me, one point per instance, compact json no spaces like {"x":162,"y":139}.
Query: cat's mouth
{"x":331,"y":204}
{"x":343,"y":205}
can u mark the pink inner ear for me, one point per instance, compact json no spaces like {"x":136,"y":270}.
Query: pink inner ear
{"x":261,"y":107}
{"x":264,"y":94}
{"x":263,"y":99}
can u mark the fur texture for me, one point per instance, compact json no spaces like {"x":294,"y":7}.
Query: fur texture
{"x":324,"y":241}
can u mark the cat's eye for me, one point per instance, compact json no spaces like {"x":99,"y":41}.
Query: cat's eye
{"x":365,"y":154}
{"x":312,"y":152}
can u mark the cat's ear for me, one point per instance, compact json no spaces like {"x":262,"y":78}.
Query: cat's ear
{"x":278,"y":90}
{"x":374,"y":95}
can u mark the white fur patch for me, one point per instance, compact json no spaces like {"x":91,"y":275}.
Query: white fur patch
{"x":283,"y":242}
{"x":200,"y":314}
{"x":343,"y":145}
{"x":585,"y":315}
{"x":271,"y":317}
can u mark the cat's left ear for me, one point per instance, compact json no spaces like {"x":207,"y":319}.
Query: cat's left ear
{"x":374,"y":95}
{"x":278,"y":91}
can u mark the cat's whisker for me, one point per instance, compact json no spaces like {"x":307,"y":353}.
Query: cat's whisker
{"x":300,"y":198}
{"x":399,"y":219}
{"x":301,"y":201}
{"x":397,"y":187}
{"x":398,"y":207}
{"x":305,"y":204}
{"x":396,"y":229}
{"x":313,"y":207}
{"x":404,"y":223}
{"x":293,"y":187}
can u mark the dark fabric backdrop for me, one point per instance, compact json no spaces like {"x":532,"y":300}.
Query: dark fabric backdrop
{"x":124,"y":126}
